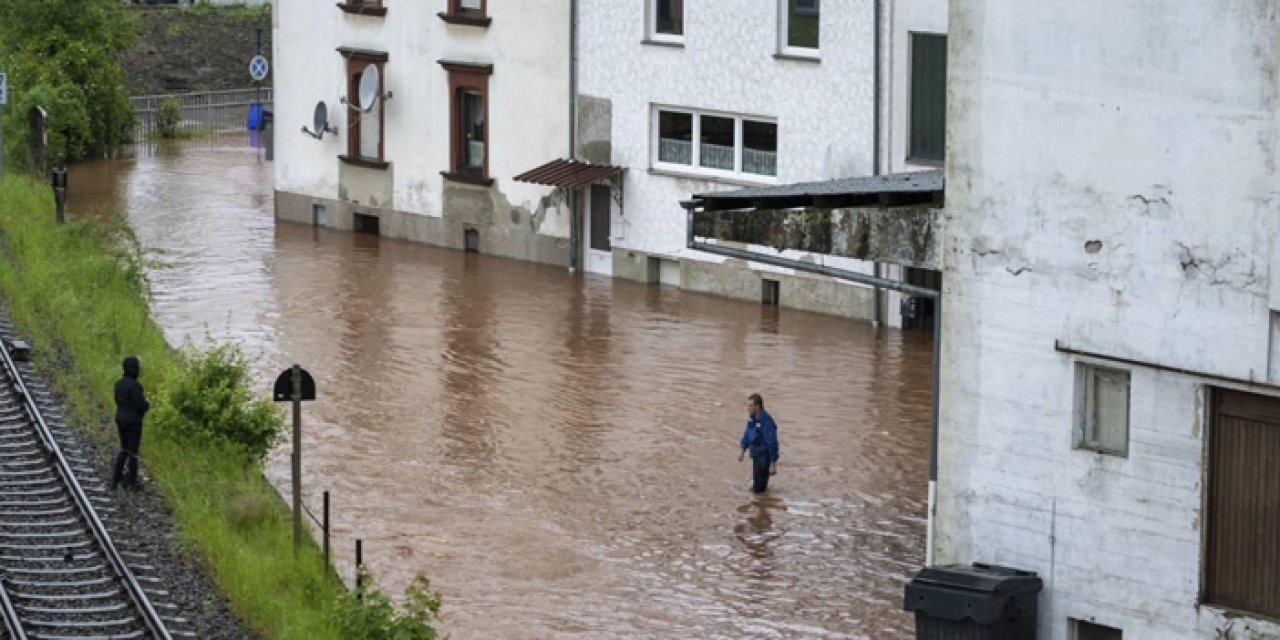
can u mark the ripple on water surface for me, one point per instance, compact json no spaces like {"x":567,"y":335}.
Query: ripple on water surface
{"x":558,"y":453}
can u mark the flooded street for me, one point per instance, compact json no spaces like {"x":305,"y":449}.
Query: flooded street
{"x":557,"y":453}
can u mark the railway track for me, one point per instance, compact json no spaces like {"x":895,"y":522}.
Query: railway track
{"x":61,"y":574}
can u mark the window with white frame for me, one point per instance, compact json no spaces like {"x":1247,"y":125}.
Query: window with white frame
{"x":799,"y":28}
{"x":1102,"y":409}
{"x":666,"y":20}
{"x":716,"y":144}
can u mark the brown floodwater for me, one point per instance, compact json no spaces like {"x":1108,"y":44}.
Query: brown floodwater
{"x":557,"y":453}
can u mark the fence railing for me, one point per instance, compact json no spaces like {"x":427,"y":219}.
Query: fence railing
{"x":207,"y":111}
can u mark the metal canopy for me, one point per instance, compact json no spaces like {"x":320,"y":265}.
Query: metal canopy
{"x":898,"y":189}
{"x":570,"y":174}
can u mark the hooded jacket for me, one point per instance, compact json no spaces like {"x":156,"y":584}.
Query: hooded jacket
{"x":131,"y":402}
{"x":761,"y":437}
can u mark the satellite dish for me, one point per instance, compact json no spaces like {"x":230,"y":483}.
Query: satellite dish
{"x":370,"y":82}
{"x":320,"y":121}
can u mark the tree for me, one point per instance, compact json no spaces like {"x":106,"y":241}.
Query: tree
{"x":62,"y":55}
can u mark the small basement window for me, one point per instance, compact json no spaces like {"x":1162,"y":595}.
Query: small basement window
{"x":1102,"y":409}
{"x":769,"y":292}
{"x":1082,"y":630}
{"x":365,"y":223}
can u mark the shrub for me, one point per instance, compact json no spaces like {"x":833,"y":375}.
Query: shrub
{"x":62,"y":55}
{"x":368,"y":614}
{"x":168,"y":115}
{"x":210,"y":397}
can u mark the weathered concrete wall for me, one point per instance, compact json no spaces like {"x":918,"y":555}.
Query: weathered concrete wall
{"x":510,"y":240}
{"x":595,"y":121}
{"x":906,"y":236}
{"x":738,"y":280}
{"x":1111,"y":170}
{"x":528,"y":123}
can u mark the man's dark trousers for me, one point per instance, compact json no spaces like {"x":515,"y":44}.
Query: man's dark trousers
{"x":130,"y":442}
{"x":759,"y":474}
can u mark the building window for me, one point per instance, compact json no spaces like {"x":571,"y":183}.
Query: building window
{"x":928,"y":100}
{"x":726,"y":144}
{"x":471,"y":112}
{"x":1081,"y":630}
{"x":363,"y":7}
{"x":1102,"y":409}
{"x":800,"y":26}
{"x":1242,"y":550}
{"x":364,"y":128}
{"x":469,"y":122}
{"x":666,"y":20}
{"x":469,"y":12}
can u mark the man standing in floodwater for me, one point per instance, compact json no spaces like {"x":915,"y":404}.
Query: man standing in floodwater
{"x":131,"y":406}
{"x":761,"y":439}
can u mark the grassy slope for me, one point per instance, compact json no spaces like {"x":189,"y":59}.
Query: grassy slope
{"x":81,"y":304}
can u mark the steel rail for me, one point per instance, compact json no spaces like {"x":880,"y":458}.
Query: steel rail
{"x":150,"y":617}
{"x":12,"y":623}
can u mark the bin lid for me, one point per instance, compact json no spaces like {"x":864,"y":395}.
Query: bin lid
{"x":980,"y":577}
{"x":979,"y":592}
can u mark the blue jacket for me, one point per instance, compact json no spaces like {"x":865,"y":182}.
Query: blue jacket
{"x":761,"y":437}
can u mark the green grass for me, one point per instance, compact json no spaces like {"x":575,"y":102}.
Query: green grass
{"x":78,"y":294}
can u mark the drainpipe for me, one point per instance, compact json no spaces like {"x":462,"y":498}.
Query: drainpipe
{"x":932,"y":515}
{"x":573,"y":79}
{"x":572,"y":196}
{"x":878,"y":318}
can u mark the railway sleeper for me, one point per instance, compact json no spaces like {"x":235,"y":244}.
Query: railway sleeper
{"x":69,"y":597}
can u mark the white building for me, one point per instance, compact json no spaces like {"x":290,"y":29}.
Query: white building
{"x":471,"y":93}
{"x":1111,"y":342}
{"x":704,"y":96}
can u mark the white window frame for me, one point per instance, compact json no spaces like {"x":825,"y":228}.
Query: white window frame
{"x":784,"y":30}
{"x":695,"y":169}
{"x":1084,"y":436}
{"x":651,"y":26}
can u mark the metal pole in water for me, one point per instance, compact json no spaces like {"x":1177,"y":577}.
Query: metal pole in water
{"x":326,"y":530}
{"x":297,"y":458}
{"x":359,"y":564}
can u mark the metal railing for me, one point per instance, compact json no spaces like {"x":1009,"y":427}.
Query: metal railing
{"x":210,"y":112}
{"x":88,"y":515}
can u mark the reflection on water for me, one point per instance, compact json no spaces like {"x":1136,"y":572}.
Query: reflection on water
{"x":558,"y":453}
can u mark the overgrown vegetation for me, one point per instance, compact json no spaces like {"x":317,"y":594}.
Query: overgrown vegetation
{"x":62,"y":55}
{"x":168,"y":116}
{"x":78,"y":292}
{"x":212,"y":400}
{"x":368,"y":614}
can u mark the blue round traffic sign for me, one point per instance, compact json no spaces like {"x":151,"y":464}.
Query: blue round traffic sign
{"x":258,"y":68}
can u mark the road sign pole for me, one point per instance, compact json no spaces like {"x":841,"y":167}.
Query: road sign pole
{"x":257,"y":85}
{"x":297,"y":458}
{"x":4,"y":98}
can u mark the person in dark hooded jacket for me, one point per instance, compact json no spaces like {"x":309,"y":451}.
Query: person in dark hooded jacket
{"x":131,"y":406}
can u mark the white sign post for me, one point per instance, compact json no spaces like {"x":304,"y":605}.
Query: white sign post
{"x":4,"y":99}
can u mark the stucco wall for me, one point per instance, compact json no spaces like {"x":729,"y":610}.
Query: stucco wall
{"x":1111,"y":172}
{"x":824,"y":110}
{"x":527,"y":43}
